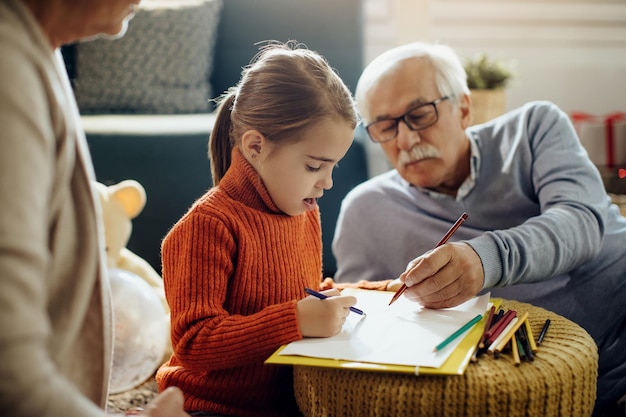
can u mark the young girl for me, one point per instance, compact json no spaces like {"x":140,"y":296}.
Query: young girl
{"x":236,"y":265}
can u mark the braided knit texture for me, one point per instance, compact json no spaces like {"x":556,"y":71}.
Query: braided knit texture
{"x":561,"y":381}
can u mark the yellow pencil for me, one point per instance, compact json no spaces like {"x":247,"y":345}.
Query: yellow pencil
{"x":510,"y":331}
{"x":531,"y":338}
{"x":515,"y":349}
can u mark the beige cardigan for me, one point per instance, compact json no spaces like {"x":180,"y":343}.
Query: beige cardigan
{"x":55,"y":324}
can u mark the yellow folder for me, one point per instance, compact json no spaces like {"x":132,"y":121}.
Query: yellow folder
{"x":454,"y":365}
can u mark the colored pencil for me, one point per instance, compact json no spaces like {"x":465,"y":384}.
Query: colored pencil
{"x":544,"y":329}
{"x":478,"y":349}
{"x":509,"y":331}
{"x":495,"y":331}
{"x":496,"y":342}
{"x":498,"y":317}
{"x":323,"y":297}
{"x":520,"y":346}
{"x":481,"y":341}
{"x":515,"y":350}
{"x":531,"y":337}
{"x":443,"y":240}
{"x":526,"y":344}
{"x":457,"y":333}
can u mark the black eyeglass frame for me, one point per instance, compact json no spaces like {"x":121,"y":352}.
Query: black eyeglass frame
{"x":406,"y":121}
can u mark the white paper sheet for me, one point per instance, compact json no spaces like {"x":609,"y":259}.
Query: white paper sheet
{"x":401,"y":334}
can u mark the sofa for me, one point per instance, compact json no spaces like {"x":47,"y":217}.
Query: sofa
{"x":165,"y":148}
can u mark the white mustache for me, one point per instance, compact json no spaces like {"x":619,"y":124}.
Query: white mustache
{"x":417,"y":153}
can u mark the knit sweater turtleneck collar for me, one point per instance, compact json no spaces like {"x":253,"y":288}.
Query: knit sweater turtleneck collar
{"x":243,"y":183}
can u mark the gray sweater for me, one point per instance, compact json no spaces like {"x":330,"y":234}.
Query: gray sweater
{"x":539,"y":219}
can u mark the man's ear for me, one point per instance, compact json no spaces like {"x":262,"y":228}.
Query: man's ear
{"x":253,"y":145}
{"x":465,"y":111}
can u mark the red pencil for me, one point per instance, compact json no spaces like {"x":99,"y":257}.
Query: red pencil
{"x":495,"y":331}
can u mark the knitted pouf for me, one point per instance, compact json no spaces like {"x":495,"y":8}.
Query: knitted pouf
{"x":561,"y":381}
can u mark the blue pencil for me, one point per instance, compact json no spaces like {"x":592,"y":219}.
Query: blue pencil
{"x":323,"y":297}
{"x":458,"y":333}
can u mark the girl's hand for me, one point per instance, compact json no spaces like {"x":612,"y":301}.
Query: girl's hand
{"x":323,"y":318}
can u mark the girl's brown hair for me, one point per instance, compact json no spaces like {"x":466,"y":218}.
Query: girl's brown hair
{"x":286,"y":89}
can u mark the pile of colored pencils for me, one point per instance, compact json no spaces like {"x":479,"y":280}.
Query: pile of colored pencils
{"x":509,"y":331}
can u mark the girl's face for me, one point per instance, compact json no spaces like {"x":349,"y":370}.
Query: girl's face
{"x":296,"y":174}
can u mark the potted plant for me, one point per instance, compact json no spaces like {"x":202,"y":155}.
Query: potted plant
{"x":487,"y":80}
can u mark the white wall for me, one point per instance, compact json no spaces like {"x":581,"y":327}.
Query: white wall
{"x":571,"y":52}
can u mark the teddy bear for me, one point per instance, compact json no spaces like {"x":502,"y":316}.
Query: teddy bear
{"x":120,"y":203}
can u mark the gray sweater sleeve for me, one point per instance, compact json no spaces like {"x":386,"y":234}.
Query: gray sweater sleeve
{"x":547,"y":162}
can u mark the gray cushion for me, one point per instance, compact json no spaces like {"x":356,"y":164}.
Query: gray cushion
{"x":162,"y":65}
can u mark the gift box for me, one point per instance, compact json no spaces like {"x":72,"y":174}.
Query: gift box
{"x":604,"y":137}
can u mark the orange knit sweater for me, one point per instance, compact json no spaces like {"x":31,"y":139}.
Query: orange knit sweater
{"x":234,"y":267}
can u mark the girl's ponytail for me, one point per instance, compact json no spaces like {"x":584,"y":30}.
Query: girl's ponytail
{"x":220,"y":144}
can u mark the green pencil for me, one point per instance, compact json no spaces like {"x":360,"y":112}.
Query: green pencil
{"x":458,"y":333}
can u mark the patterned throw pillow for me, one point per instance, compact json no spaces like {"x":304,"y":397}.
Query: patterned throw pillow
{"x":162,"y":65}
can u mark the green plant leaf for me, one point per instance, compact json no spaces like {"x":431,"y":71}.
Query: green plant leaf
{"x":483,"y":73}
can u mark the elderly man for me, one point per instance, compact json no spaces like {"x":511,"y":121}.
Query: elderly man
{"x":541,"y":229}
{"x":55,"y":315}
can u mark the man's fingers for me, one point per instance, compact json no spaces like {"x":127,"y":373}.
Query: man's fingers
{"x":426,"y":266}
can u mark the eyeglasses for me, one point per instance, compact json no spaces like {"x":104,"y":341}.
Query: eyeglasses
{"x":417,"y":118}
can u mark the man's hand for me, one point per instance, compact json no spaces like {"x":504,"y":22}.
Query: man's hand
{"x":444,"y":277}
{"x":394,"y":285}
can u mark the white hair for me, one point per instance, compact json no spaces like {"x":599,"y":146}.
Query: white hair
{"x":450,"y":75}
